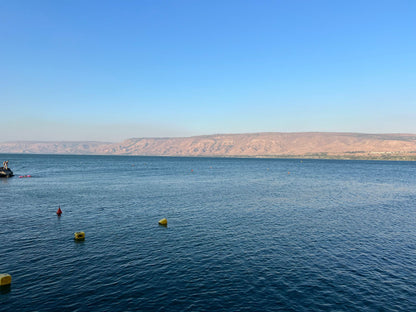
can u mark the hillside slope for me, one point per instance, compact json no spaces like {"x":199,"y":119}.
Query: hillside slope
{"x":307,"y":144}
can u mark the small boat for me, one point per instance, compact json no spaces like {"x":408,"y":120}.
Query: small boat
{"x":5,"y":172}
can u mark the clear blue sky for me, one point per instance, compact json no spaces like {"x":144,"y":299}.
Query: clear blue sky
{"x":112,"y":70}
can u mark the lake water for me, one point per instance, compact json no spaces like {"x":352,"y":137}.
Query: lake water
{"x":242,"y":234}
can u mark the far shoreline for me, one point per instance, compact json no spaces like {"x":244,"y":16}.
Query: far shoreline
{"x":294,"y":157}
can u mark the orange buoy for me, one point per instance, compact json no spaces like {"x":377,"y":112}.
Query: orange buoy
{"x":59,"y":211}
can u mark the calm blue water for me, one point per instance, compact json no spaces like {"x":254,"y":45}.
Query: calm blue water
{"x":242,"y":235}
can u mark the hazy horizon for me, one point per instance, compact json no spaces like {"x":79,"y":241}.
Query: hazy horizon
{"x":248,"y":134}
{"x":110,"y":71}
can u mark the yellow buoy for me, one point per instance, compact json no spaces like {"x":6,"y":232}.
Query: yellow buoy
{"x":79,"y":235}
{"x":5,"y":279}
{"x":164,"y":222}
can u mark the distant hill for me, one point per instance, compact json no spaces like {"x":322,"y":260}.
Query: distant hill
{"x":302,"y":145}
{"x":29,"y":147}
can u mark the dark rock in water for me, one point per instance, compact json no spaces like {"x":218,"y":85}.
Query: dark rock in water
{"x":5,"y":173}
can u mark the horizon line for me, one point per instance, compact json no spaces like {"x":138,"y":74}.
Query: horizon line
{"x":204,"y":135}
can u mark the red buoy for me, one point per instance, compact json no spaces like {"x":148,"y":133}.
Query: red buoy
{"x":59,"y":211}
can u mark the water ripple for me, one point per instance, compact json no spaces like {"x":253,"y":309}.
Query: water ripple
{"x":243,"y":235}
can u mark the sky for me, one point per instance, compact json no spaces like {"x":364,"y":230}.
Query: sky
{"x":84,"y":70}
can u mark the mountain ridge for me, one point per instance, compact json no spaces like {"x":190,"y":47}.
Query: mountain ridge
{"x":345,"y":145}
